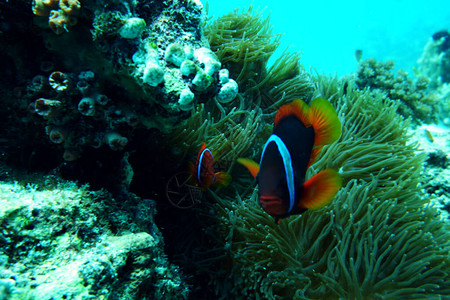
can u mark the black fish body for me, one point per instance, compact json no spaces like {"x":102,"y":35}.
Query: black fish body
{"x":298,"y":136}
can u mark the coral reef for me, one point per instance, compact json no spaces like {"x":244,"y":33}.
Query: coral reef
{"x":127,"y":73}
{"x":435,"y":60}
{"x":416,"y":100}
{"x":435,"y":64}
{"x":380,"y":237}
{"x":433,"y":140}
{"x":91,"y":121}
{"x":124,"y":99}
{"x":77,"y":243}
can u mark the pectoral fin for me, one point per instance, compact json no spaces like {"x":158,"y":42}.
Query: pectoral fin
{"x":320,"y":189}
{"x":222,"y":179}
{"x":251,"y":165}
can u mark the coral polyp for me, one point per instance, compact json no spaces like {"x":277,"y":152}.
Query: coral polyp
{"x":47,"y":108}
{"x":115,"y":140}
{"x":56,"y":135}
{"x":86,"y":106}
{"x":59,"y":81}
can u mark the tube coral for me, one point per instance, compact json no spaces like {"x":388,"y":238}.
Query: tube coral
{"x":86,"y":106}
{"x":115,"y":140}
{"x":71,"y":154}
{"x":38,"y":83}
{"x":57,"y":135}
{"x":47,"y":108}
{"x":59,"y":81}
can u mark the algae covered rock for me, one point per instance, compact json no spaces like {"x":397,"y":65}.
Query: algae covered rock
{"x":63,"y":241}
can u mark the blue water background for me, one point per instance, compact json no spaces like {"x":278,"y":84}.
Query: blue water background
{"x":328,"y":32}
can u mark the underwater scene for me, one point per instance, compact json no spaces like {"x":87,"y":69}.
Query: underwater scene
{"x":187,"y":149}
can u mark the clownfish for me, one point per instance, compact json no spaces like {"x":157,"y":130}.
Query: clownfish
{"x":203,"y":174}
{"x":299,"y":133}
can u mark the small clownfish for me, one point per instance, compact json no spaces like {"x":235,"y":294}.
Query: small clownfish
{"x":298,"y":136}
{"x":203,"y":173}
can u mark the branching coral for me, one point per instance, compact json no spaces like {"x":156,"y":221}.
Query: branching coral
{"x":415,"y":100}
{"x":378,"y":238}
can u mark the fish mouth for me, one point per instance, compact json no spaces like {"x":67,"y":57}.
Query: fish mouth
{"x":269,"y":198}
{"x":273,"y":205}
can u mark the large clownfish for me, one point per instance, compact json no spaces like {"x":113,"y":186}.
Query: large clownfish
{"x":203,"y":173}
{"x":299,"y":133}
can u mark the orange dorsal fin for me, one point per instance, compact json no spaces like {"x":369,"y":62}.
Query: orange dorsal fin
{"x":314,"y":154}
{"x":202,"y":148}
{"x":222,"y":179}
{"x":251,"y":165}
{"x":320,"y":189}
{"x":325,"y":122}
{"x":297,"y":108}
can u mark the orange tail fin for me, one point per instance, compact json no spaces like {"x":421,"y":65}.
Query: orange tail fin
{"x":297,"y":108}
{"x":251,"y":165}
{"x":223,"y":179}
{"x":325,"y":122}
{"x":320,"y":189}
